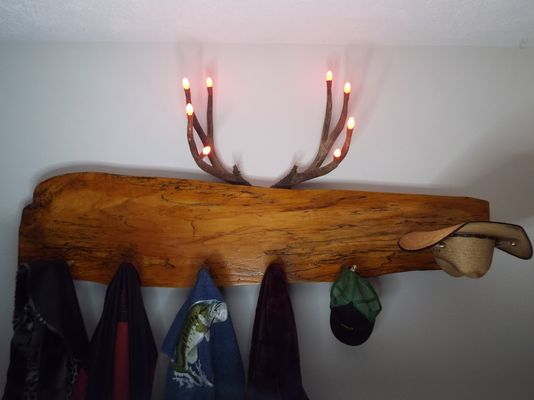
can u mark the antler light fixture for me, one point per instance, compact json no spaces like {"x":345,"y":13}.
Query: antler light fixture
{"x":294,"y":176}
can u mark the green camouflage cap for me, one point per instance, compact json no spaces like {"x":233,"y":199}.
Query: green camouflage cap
{"x":350,"y":288}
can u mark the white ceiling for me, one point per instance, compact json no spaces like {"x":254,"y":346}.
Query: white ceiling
{"x":507,"y":23}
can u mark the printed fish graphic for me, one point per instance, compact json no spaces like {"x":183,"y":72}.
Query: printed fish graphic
{"x":201,"y":316}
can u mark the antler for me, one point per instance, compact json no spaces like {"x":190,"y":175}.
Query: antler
{"x":293,"y":177}
{"x":316,"y":168}
{"x":215,"y":167}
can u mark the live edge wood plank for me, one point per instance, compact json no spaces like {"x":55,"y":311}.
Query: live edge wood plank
{"x":169,"y":228}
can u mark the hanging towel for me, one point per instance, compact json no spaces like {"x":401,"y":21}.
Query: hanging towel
{"x":274,"y":368}
{"x":49,"y":339}
{"x":123,"y":354}
{"x":201,"y":343}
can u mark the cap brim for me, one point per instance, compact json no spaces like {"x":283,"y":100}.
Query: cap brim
{"x":506,"y":233}
{"x":349,"y":326}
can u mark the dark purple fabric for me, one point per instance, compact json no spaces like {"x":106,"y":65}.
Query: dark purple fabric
{"x":274,"y":367}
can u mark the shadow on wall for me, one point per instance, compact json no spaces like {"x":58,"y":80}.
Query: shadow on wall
{"x":358,"y":68}
{"x":500,"y":169}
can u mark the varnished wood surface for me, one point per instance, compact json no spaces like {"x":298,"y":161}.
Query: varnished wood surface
{"x":169,"y":228}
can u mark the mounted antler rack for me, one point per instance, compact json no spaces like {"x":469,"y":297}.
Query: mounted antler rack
{"x":294,"y":176}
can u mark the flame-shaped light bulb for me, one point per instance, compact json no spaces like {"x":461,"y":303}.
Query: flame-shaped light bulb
{"x":350,"y":123}
{"x":185,"y":83}
{"x":346,"y":88}
{"x":329,"y":76}
{"x":189,"y":109}
{"x":209,"y":82}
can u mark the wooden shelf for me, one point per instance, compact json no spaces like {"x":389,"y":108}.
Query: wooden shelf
{"x":169,"y":228}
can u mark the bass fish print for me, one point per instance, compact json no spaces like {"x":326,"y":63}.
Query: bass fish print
{"x":188,"y":371}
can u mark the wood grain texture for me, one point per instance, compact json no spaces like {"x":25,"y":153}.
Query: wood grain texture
{"x":169,"y":228}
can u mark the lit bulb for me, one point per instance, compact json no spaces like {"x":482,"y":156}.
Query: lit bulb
{"x":350,"y":123}
{"x":329,"y":76}
{"x":185,"y":83}
{"x":189,"y":109}
{"x":337,"y":153}
{"x":206,"y":150}
{"x":346,"y":89}
{"x":209,"y":82}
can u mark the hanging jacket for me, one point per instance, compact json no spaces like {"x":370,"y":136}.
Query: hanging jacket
{"x":274,"y":366}
{"x":205,"y":359}
{"x":122,"y":356}
{"x":49,"y":337}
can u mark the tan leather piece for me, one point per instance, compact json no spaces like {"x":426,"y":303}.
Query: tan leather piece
{"x":421,"y":240}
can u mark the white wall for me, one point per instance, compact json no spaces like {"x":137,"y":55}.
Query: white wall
{"x":430,"y":120}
